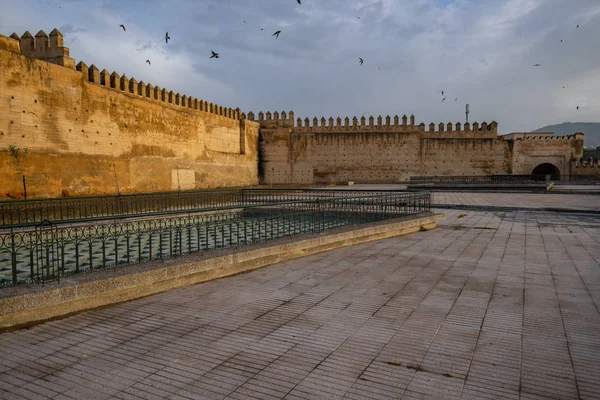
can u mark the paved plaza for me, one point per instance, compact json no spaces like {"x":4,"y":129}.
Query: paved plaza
{"x":580,"y":197}
{"x":489,"y":305}
{"x":521,"y":200}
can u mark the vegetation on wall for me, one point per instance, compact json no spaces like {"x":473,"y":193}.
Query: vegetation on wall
{"x":17,"y":157}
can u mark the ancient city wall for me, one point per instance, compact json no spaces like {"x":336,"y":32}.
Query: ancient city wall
{"x":390,"y":149}
{"x":583,"y":168}
{"x":87,"y":130}
{"x":560,"y":151}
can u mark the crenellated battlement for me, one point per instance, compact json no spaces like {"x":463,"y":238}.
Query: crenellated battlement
{"x":272,"y":121}
{"x":50,"y":48}
{"x":147,"y":91}
{"x":548,"y":138}
{"x":388,"y":123}
{"x":589,"y":162}
{"x":43,"y":47}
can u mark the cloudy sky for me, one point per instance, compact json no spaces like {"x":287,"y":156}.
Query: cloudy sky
{"x":480,"y":52}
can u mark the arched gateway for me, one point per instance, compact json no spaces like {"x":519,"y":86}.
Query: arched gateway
{"x":547,"y":169}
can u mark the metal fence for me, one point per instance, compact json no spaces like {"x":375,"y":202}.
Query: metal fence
{"x":498,"y":179}
{"x":49,"y":251}
{"x":15,"y":213}
{"x":22,"y":213}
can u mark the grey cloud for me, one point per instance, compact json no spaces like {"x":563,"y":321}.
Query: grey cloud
{"x":469,"y":48}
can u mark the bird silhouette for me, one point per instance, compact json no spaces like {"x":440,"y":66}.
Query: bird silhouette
{"x":148,"y":61}
{"x":361,"y":61}
{"x":299,"y":2}
{"x":578,"y":25}
{"x":123,"y":26}
{"x":577,"y":108}
{"x":167,"y":37}
{"x":443,"y":99}
{"x":214,"y":55}
{"x":561,"y":40}
{"x":442,"y":92}
{"x":276,"y":34}
{"x":537,"y":65}
{"x":455,"y":99}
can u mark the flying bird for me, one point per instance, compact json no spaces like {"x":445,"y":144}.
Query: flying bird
{"x":299,"y":2}
{"x":167,"y":37}
{"x":577,"y":107}
{"x":361,"y":61}
{"x":537,"y":65}
{"x":148,"y":61}
{"x":442,"y":92}
{"x":276,"y":34}
{"x":443,"y":99}
{"x":561,"y":40}
{"x":214,"y":55}
{"x":578,"y":25}
{"x":455,"y":99}
{"x":123,"y":26}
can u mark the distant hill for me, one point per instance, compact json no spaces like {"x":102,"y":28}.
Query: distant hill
{"x":591,"y":130}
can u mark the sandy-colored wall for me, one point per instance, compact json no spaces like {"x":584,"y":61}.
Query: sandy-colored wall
{"x":75,"y":130}
{"x":559,"y":151}
{"x":470,"y":154}
{"x":292,"y":152}
{"x":585,"y":167}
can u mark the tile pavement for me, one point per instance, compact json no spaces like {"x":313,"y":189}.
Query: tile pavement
{"x":523,"y":200}
{"x":488,"y":306}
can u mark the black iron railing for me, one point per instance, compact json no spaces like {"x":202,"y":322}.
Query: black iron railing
{"x":497,"y":179}
{"x":15,"y":213}
{"x":49,"y":251}
{"x":22,"y":213}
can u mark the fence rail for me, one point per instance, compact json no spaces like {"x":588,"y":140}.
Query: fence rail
{"x":49,"y":251}
{"x":505,"y":179}
{"x":22,"y":213}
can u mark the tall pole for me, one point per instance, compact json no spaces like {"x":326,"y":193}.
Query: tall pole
{"x":116,"y":179}
{"x":467,"y":113}
{"x":24,"y":188}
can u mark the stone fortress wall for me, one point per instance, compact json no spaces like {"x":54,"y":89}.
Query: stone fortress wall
{"x":583,"y":167}
{"x":87,"y":130}
{"x":391,"y":150}
{"x":90,"y":132}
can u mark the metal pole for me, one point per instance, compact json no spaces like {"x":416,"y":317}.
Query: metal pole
{"x":116,"y":180}
{"x":24,"y":188}
{"x":25,"y":196}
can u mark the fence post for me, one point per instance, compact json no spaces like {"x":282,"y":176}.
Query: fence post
{"x":322,"y":205}
{"x":13,"y":256}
